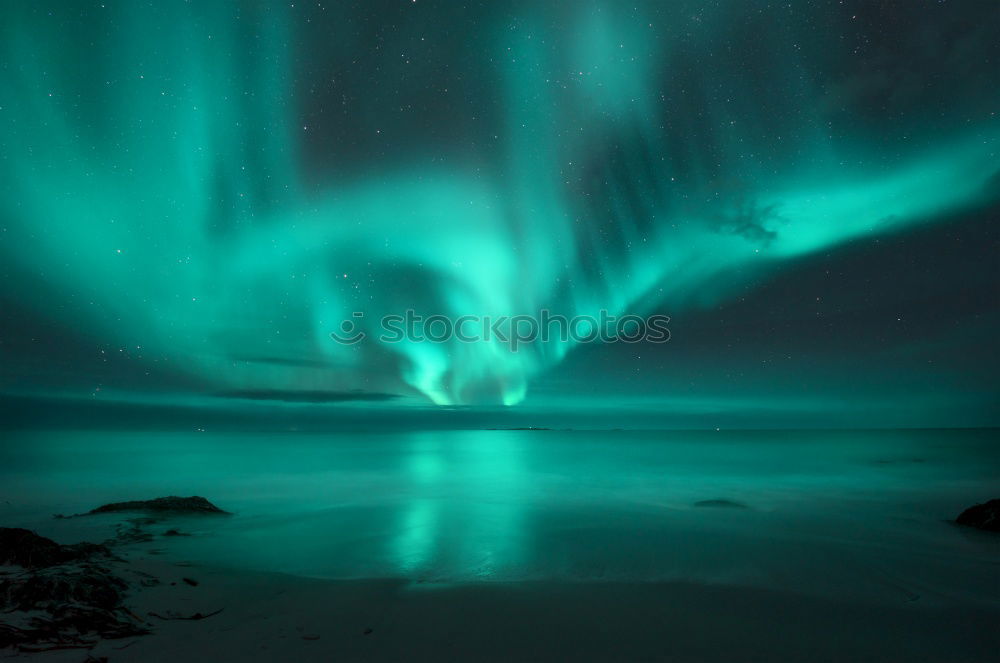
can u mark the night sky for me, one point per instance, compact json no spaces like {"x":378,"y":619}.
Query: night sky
{"x":193,"y":196}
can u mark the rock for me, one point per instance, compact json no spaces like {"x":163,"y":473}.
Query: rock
{"x":721,"y":504}
{"x":22,"y":547}
{"x":63,"y":598}
{"x":58,"y":586}
{"x":982,"y":516}
{"x":131,"y":531}
{"x":170,"y":504}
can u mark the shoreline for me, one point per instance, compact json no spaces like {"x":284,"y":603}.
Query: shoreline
{"x":513,"y":547}
{"x":269,"y":616}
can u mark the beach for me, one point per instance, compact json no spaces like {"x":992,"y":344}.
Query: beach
{"x":534,"y":545}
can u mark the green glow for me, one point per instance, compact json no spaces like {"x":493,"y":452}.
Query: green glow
{"x":157,"y":185}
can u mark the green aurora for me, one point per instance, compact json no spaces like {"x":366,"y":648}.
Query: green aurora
{"x":169,"y":187}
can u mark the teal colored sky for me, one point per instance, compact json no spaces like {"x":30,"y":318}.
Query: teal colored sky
{"x":193,"y":196}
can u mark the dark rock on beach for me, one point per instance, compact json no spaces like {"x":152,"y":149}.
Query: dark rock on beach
{"x":172,"y":504}
{"x":58,"y":586}
{"x":132,"y":531}
{"x":22,"y":547}
{"x":982,"y":516}
{"x":71,"y":596}
{"x":64,"y":597}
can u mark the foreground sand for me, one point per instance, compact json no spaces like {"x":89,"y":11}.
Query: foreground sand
{"x":274,"y":617}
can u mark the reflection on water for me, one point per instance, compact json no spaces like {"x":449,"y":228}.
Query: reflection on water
{"x":486,"y":527}
{"x":828,"y":511}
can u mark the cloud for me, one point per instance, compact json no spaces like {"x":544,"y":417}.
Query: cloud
{"x":284,"y":361}
{"x":306,"y":396}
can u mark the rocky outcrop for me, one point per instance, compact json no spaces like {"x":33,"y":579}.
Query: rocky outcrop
{"x":982,"y":516}
{"x":22,"y":547}
{"x":172,"y":504}
{"x":63,"y":596}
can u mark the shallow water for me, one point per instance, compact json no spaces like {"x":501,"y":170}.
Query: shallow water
{"x":861,"y":513}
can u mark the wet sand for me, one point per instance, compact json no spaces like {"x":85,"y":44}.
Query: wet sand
{"x":277,"y":617}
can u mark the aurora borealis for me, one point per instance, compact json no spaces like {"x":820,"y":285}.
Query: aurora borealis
{"x":499,"y":330}
{"x":193,"y":196}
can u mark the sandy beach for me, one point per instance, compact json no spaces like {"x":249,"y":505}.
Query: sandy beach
{"x":277,"y":617}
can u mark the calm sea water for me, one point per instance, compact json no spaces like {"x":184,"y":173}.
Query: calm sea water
{"x":860,"y":512}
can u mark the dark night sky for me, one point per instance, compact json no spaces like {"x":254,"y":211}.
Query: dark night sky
{"x":193,"y":197}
